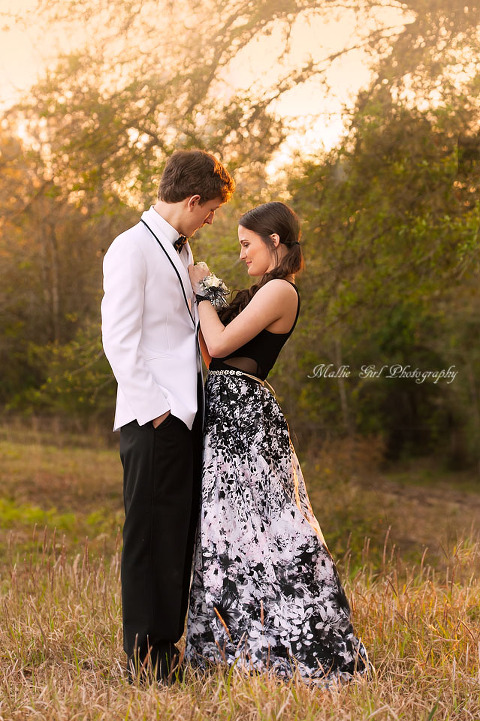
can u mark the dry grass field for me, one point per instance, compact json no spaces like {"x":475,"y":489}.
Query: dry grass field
{"x":406,"y":549}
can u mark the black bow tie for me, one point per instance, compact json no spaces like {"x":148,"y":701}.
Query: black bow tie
{"x":179,"y":243}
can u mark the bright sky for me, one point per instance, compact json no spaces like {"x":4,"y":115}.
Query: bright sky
{"x":23,"y":56}
{"x":315,"y":118}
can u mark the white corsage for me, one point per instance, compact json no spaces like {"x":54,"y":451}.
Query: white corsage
{"x":213,"y":289}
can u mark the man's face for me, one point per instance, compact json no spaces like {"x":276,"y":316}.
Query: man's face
{"x":199,"y":215}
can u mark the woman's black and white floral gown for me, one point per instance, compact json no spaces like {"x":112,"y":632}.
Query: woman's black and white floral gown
{"x":265,"y":591}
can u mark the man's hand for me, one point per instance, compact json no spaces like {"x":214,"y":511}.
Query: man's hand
{"x":157,"y":421}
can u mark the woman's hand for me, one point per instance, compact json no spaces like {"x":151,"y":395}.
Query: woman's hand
{"x":197,"y":273}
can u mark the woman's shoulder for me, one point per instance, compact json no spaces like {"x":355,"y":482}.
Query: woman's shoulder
{"x":279,"y":287}
{"x":279,"y":295}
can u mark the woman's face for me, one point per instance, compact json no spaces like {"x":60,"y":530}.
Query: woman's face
{"x":259,"y":258}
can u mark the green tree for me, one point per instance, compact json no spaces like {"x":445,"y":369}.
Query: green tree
{"x":388,"y":210}
{"x":50,"y":275}
{"x":391,"y":225}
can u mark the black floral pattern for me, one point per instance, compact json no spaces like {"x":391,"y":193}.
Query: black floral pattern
{"x":265,"y":592}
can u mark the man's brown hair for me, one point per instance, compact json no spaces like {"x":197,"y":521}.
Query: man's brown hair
{"x":194,"y":172}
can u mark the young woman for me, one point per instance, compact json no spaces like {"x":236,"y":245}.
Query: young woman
{"x":265,"y":592}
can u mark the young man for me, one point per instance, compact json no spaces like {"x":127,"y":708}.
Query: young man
{"x":150,"y":329}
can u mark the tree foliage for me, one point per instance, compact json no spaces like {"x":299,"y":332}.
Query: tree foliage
{"x":390,"y":216}
{"x":391,"y":223}
{"x":50,"y":275}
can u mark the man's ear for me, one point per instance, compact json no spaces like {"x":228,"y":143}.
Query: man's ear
{"x":193,"y":201}
{"x":276,"y":239}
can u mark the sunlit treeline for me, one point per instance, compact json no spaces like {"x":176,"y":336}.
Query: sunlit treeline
{"x":390,"y":216}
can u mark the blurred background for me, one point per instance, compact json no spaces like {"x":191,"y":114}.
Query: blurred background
{"x":362,"y":115}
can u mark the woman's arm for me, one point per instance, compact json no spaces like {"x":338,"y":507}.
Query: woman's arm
{"x":274,"y":301}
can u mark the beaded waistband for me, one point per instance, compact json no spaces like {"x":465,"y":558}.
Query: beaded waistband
{"x":225,"y":372}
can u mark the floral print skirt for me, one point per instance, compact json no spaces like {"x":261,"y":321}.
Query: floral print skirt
{"x":265,"y":593}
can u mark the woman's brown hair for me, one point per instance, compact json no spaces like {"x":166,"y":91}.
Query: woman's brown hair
{"x":265,"y":220}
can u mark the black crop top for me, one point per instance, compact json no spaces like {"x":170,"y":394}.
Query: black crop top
{"x":259,"y":354}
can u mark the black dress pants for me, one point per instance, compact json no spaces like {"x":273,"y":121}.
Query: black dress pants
{"x":162,"y":476}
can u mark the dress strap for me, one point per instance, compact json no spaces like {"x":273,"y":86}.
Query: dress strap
{"x":298,"y":309}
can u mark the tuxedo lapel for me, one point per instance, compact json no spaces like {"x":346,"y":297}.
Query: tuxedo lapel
{"x":177,"y":265}
{"x":193,"y":306}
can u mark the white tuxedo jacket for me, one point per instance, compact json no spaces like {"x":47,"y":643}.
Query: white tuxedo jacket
{"x":149,"y":324}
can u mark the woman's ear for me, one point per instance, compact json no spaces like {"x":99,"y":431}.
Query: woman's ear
{"x":276,"y":239}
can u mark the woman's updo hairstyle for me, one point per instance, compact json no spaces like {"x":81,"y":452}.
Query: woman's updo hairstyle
{"x":265,"y":220}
